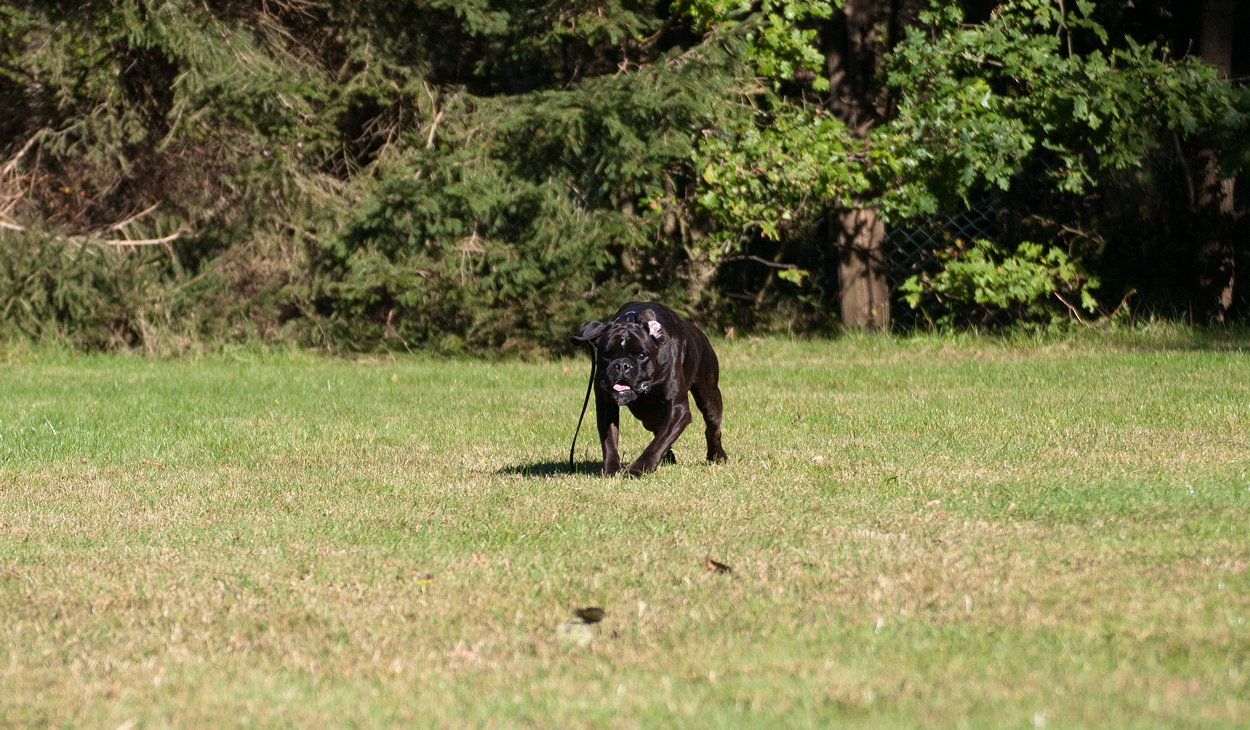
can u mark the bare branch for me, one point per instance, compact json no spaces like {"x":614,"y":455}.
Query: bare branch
{"x":757,"y":259}
{"x":181,"y":232}
{"x":145,"y":241}
{"x":1075,"y":312}
{"x":133,"y":218}
{"x":15,"y":159}
{"x":429,"y":142}
{"x":1122,"y":303}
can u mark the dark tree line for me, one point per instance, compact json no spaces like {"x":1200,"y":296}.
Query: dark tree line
{"x":479,"y":175}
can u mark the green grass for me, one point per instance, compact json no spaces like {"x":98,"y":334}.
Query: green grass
{"x":925,"y":532}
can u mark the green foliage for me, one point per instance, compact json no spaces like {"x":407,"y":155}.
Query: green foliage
{"x":173,"y":122}
{"x":79,"y":292}
{"x":980,"y":102}
{"x":776,"y":170}
{"x":1040,"y":95}
{"x":480,"y":174}
{"x":438,"y":256}
{"x":977,"y":105}
{"x":983,"y":280}
{"x":778,"y":42}
{"x":524,"y":220}
{"x":296,"y":134}
{"x":1033,"y":90}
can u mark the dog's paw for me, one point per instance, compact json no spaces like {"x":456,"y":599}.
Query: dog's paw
{"x":611,"y":466}
{"x":637,"y":469}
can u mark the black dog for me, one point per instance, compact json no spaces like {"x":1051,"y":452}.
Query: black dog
{"x":649,"y":359}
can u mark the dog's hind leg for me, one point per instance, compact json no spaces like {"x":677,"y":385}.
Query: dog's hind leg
{"x":707,"y":399}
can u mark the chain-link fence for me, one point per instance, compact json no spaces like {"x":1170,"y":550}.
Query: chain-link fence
{"x":1136,"y":232}
{"x":911,"y":249}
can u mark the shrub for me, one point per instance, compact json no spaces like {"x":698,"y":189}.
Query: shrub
{"x":1034,"y":285}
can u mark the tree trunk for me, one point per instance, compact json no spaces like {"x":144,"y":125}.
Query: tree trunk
{"x":850,"y":61}
{"x":851,"y":52}
{"x":1213,"y":213}
{"x":862,"y":282}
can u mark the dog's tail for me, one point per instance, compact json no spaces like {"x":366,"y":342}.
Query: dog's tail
{"x":589,"y":386}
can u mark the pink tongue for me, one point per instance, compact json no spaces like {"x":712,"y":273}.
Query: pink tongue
{"x":619,"y":387}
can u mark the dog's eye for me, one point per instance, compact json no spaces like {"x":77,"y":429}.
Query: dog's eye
{"x":642,"y":356}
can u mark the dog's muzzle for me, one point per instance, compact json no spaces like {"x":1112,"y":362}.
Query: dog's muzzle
{"x":621,"y":380}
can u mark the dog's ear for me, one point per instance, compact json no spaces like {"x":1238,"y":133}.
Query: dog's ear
{"x":654,"y":328}
{"x":589,"y":332}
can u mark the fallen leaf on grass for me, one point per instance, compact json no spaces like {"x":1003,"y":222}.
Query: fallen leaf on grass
{"x":591,"y":614}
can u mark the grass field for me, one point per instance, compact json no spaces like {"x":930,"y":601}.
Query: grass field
{"x":927,"y":532}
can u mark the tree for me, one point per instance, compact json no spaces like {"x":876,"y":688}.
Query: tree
{"x":1035,"y":93}
{"x":854,"y":47}
{"x":481,"y":175}
{"x":1213,"y":204}
{"x":457,"y":173}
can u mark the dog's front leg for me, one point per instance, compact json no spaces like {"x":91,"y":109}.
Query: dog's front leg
{"x":608,"y":417}
{"x":665,"y":436}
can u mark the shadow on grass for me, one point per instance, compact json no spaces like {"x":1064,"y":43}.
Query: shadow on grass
{"x":545,"y":469}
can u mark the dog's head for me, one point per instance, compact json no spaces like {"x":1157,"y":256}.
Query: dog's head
{"x":629,"y":353}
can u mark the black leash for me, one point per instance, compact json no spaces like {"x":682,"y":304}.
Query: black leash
{"x":589,"y":386}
